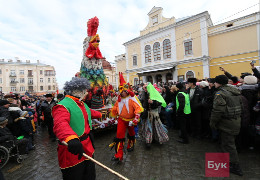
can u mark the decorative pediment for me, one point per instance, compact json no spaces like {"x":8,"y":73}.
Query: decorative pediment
{"x":154,"y":9}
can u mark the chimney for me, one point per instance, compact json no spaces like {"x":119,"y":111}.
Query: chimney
{"x":27,"y":61}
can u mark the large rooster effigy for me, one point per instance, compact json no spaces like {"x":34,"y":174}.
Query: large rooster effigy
{"x":91,"y":65}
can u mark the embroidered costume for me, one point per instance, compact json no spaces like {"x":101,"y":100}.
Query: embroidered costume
{"x":72,"y":124}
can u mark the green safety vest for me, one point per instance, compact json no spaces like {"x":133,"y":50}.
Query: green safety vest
{"x":77,"y":121}
{"x":187,"y":109}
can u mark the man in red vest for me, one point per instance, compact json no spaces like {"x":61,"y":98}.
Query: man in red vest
{"x":72,"y":124}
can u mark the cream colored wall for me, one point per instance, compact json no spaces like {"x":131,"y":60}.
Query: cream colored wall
{"x":180,"y":34}
{"x":131,"y":77}
{"x":121,"y":66}
{"x":233,"y":42}
{"x":134,"y":49}
{"x":155,"y":27}
{"x":111,"y":74}
{"x":196,"y":67}
{"x":235,"y":64}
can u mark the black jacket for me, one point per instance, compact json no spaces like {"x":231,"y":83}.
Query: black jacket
{"x":45,"y":109}
{"x":196,"y":100}
{"x":5,"y":135}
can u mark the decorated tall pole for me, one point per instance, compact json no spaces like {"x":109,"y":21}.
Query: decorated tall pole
{"x":91,"y":65}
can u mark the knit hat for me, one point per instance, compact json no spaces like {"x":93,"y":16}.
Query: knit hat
{"x":221,"y":79}
{"x":4,"y":102}
{"x":204,"y":83}
{"x":250,"y":80}
{"x":3,"y":120}
{"x":192,"y":80}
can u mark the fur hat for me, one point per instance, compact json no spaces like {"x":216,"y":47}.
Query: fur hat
{"x":179,"y":85}
{"x":250,"y":80}
{"x":48,"y":95}
{"x":234,"y":79}
{"x":192,"y":80}
{"x":3,"y":120}
{"x":204,"y":83}
{"x":221,"y":79}
{"x":59,"y":96}
{"x":211,"y":80}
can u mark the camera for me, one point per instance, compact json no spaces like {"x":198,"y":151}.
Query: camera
{"x":253,"y":62}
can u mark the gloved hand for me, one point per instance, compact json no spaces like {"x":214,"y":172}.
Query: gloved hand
{"x":75,"y":147}
{"x":135,"y":122}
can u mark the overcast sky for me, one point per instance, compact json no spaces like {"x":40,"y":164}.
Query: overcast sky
{"x":53,"y":30}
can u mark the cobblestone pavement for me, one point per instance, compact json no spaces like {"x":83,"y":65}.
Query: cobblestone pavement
{"x":162,"y":162}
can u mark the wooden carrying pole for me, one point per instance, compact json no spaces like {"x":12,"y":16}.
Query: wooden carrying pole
{"x":100,"y":164}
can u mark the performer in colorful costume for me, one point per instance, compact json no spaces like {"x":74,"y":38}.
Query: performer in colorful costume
{"x":72,"y":124}
{"x":128,"y":108}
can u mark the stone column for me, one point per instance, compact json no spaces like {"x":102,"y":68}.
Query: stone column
{"x":144,"y":79}
{"x":154,"y":79}
{"x":175,"y":75}
{"x":164,"y":77}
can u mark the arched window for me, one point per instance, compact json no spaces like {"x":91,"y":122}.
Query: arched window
{"x":189,"y":74}
{"x":147,"y":53}
{"x":166,"y":49}
{"x":156,"y":51}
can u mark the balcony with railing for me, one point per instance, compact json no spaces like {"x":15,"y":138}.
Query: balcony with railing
{"x":30,"y":83}
{"x":12,"y":75}
{"x":13,"y":82}
{"x":30,"y":75}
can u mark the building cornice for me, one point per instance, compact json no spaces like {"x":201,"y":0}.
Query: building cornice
{"x":176,"y":24}
{"x":170,"y":64}
{"x":234,"y":28}
{"x":235,"y":20}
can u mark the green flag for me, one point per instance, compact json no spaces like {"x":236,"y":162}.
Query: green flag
{"x":155,"y":95}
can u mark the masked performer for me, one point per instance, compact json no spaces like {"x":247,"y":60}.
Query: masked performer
{"x":72,"y":124}
{"x":128,"y":109}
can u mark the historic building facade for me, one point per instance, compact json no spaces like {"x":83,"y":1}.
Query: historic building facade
{"x":170,"y":49}
{"x":20,"y":77}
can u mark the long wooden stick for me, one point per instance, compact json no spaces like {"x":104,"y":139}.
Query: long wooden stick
{"x":100,"y":164}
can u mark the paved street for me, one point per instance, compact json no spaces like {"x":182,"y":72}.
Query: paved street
{"x":162,"y":162}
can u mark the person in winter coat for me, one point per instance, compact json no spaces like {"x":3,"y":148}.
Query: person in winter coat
{"x":6,"y":135}
{"x":45,"y":110}
{"x":205,"y":112}
{"x":249,"y":91}
{"x":196,"y":96}
{"x":226,"y":117}
{"x":72,"y":124}
{"x":182,"y":111}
